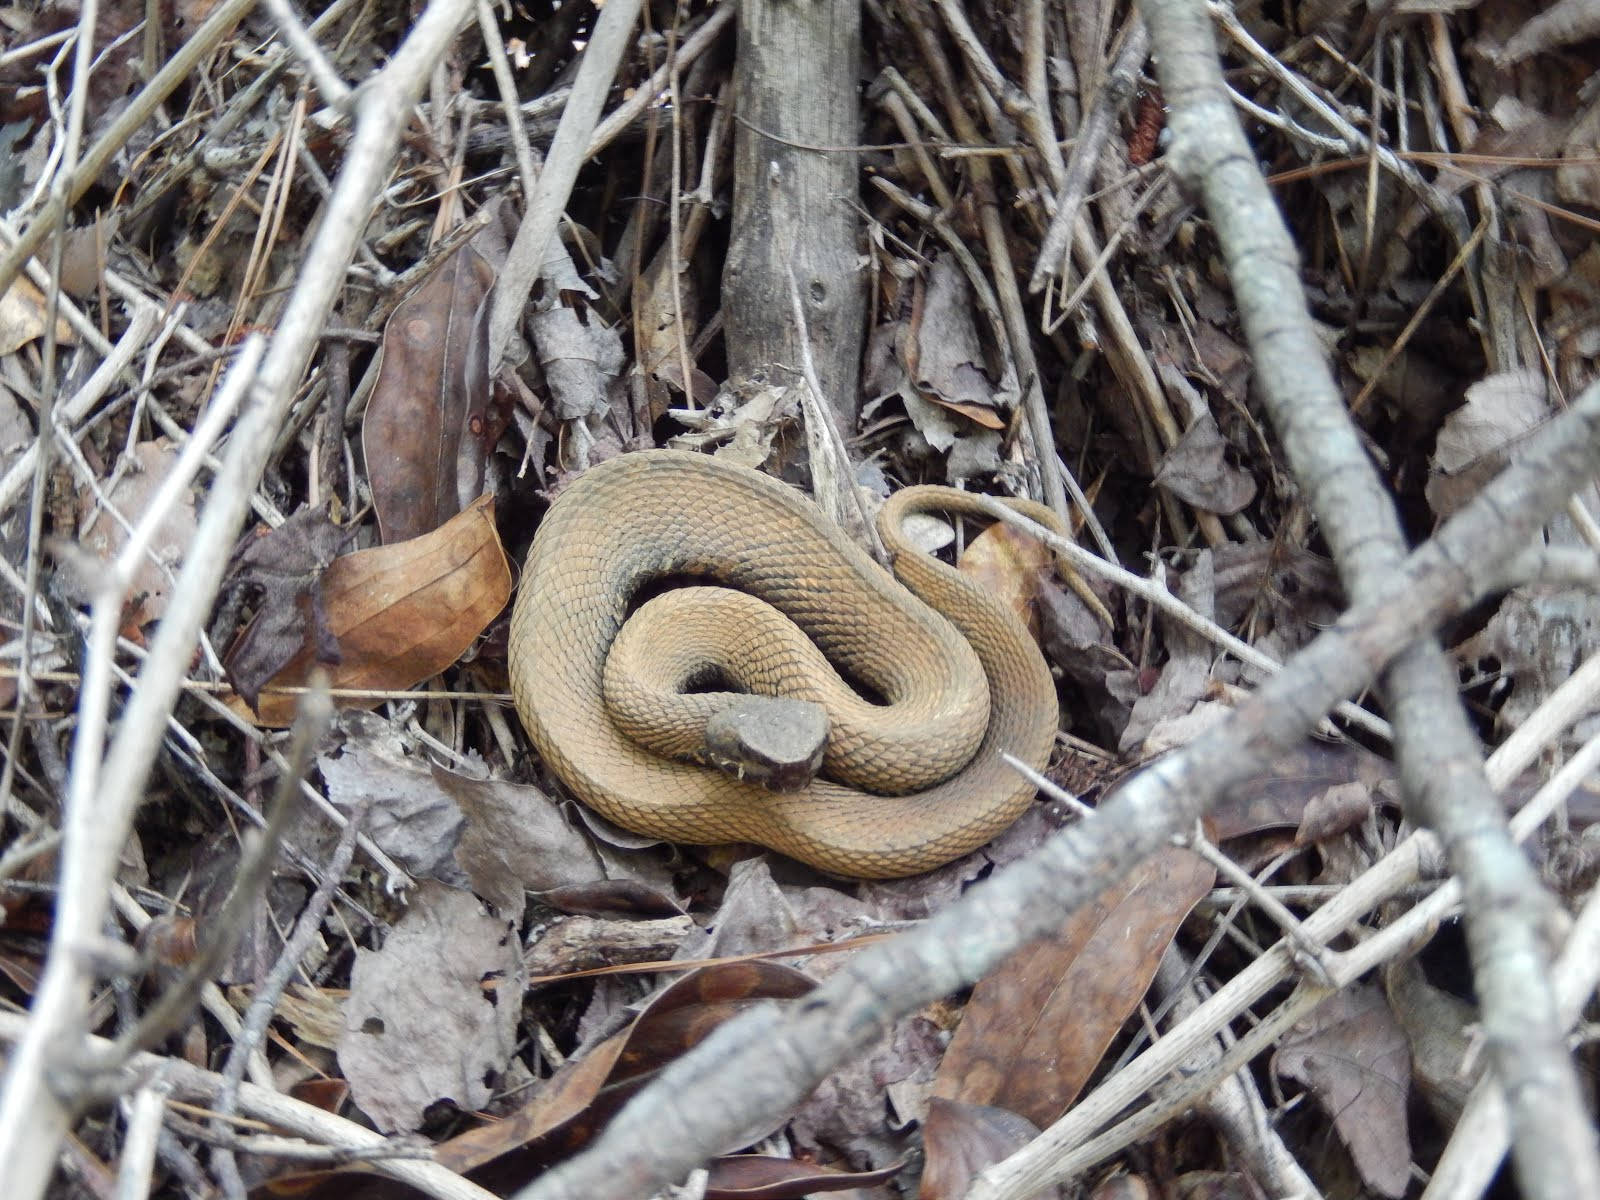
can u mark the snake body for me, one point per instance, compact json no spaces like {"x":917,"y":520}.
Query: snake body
{"x":646,"y":517}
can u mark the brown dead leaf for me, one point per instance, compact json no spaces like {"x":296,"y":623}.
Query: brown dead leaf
{"x":573,"y":1104}
{"x":1012,"y":567}
{"x":408,"y":814}
{"x":430,"y":423}
{"x":1336,"y":810}
{"x":962,"y":1140}
{"x":515,"y":840}
{"x":657,"y":330}
{"x":433,"y":1015}
{"x":1440,"y":1030}
{"x":1280,"y":798}
{"x":1535,"y":639}
{"x":947,"y":360}
{"x":1185,"y":679}
{"x":285,"y":566}
{"x":22,"y":317}
{"x":1037,"y":1025}
{"x":403,"y":613}
{"x":767,"y":1177}
{"x":1351,"y":1054}
{"x":610,"y":897}
{"x":847,"y":1118}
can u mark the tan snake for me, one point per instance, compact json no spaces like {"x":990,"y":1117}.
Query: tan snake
{"x":647,"y":516}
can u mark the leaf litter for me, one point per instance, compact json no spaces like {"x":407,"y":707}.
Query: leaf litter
{"x":399,"y":501}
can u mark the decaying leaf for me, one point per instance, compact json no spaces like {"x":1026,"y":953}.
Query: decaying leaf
{"x":1012,"y":567}
{"x":430,"y":422}
{"x":1279,"y":798}
{"x":408,"y":815}
{"x":285,"y":567}
{"x":846,"y":1117}
{"x":1352,"y":1056}
{"x":1037,"y":1025}
{"x":947,"y":359}
{"x":766,"y":1177}
{"x":1197,"y":471}
{"x":1439,"y":1028}
{"x":433,"y":1015}
{"x":1537,"y":638}
{"x":1186,"y":678}
{"x":515,"y":840}
{"x":402,"y":613}
{"x":932,"y":360}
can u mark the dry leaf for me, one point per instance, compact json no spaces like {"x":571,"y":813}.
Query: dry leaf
{"x":947,"y":360}
{"x":430,"y":423}
{"x":131,"y":496}
{"x":962,"y":1140}
{"x":285,"y":566}
{"x":573,"y":1104}
{"x":515,"y":840}
{"x":1477,"y":440}
{"x":433,"y":1015}
{"x":767,"y":1177}
{"x":408,"y":815}
{"x":403,"y":613}
{"x":1037,"y":1025}
{"x":1012,"y":567}
{"x":1351,"y":1054}
{"x":1197,"y":471}
{"x":22,"y":315}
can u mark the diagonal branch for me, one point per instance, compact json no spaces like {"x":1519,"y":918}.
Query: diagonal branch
{"x":1440,"y":758}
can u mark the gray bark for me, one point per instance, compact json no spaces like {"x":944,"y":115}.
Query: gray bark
{"x":794,"y":196}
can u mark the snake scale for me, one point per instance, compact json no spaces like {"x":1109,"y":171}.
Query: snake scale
{"x":647,"y":516}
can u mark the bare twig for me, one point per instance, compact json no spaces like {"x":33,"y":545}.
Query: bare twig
{"x":525,"y":259}
{"x":193,"y":1084}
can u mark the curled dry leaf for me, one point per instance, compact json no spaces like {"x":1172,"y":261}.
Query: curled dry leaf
{"x":431,"y":423}
{"x":1197,"y":471}
{"x":515,"y":840}
{"x":1478,"y":439}
{"x":1037,"y":1025}
{"x":407,"y":813}
{"x":402,"y":613}
{"x":1280,"y":798}
{"x":946,"y":358}
{"x":1011,"y":567}
{"x":1442,"y":1032}
{"x":285,"y":567}
{"x":22,"y":317}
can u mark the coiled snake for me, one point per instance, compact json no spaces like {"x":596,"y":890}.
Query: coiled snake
{"x":961,"y":687}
